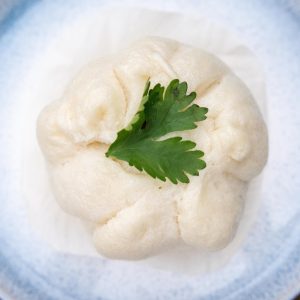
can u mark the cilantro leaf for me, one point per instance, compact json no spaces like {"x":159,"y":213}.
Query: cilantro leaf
{"x":162,"y":111}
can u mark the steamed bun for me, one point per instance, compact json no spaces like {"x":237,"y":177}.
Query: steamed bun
{"x":134,"y":215}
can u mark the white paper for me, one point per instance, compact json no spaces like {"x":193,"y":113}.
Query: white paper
{"x":94,"y":35}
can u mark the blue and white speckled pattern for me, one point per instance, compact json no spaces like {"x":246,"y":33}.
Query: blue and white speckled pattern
{"x":268,"y":267}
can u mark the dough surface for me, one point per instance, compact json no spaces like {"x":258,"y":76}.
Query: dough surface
{"x":135,"y":216}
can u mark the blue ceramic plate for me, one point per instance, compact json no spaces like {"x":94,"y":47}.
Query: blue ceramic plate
{"x":268,"y":266}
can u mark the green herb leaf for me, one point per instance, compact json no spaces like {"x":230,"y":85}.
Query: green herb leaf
{"x":161,"y":112}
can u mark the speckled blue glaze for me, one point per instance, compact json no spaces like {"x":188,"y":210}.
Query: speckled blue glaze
{"x":268,"y":266}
